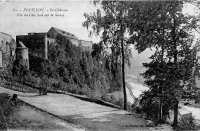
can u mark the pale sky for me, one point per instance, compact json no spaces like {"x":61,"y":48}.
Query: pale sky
{"x":14,"y":25}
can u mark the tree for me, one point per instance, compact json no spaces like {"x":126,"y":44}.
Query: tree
{"x":163,"y":27}
{"x":151,"y":24}
{"x":109,"y":21}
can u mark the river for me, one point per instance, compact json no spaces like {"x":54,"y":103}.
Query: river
{"x":135,"y":89}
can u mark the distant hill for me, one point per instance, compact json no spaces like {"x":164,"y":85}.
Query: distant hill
{"x":133,"y":73}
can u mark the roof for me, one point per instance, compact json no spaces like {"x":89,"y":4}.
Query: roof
{"x":75,"y":42}
{"x":5,"y":34}
{"x":20,"y":44}
{"x":86,"y":42}
{"x":34,"y":33}
{"x":6,"y":38}
{"x":64,"y":33}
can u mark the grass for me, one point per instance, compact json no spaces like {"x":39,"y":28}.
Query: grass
{"x":188,"y":124}
{"x":111,"y":122}
{"x":27,"y":118}
{"x":24,"y":117}
{"x":19,"y":87}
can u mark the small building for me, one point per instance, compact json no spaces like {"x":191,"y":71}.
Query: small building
{"x":7,"y":50}
{"x":86,"y":45}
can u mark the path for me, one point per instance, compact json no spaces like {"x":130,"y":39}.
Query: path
{"x":90,"y":115}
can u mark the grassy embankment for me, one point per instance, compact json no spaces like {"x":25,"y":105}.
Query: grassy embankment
{"x":25,"y":117}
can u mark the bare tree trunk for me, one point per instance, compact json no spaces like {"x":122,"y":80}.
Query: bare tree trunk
{"x":160,"y":111}
{"x":176,"y":113}
{"x":176,"y":70}
{"x":123,"y":76}
{"x":123,"y":61}
{"x":123,"y":67}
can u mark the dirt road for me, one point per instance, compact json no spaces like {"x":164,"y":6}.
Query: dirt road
{"x":89,"y":115}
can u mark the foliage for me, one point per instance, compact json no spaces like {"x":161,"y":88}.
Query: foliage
{"x":150,"y":106}
{"x":110,"y":22}
{"x":150,"y":24}
{"x":187,"y":124}
{"x":76,"y":71}
{"x":162,"y":27}
{"x":6,"y":110}
{"x":113,"y":100}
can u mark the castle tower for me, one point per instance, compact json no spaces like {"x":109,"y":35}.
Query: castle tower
{"x":22,"y":54}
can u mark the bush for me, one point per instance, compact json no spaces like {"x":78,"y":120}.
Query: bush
{"x":116,"y":101}
{"x":58,"y":85}
{"x":72,"y":88}
{"x":6,"y":110}
{"x":85,"y":90}
{"x":119,"y":102}
{"x":83,"y":73}
{"x":187,"y":123}
{"x":150,"y":108}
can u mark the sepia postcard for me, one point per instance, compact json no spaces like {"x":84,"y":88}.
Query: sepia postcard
{"x":96,"y":65}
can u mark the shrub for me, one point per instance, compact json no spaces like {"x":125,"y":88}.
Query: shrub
{"x":187,"y":123}
{"x":6,"y":110}
{"x":119,"y":102}
{"x":58,"y":85}
{"x":150,"y":108}
{"x":85,"y":90}
{"x":72,"y":88}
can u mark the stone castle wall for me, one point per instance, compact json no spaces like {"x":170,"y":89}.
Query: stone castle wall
{"x":7,"y":51}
